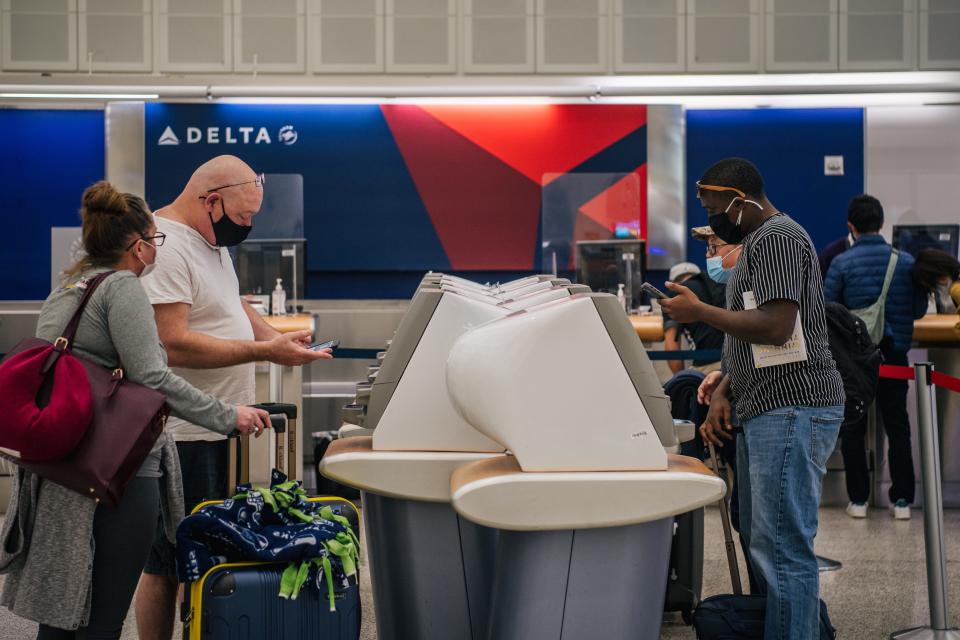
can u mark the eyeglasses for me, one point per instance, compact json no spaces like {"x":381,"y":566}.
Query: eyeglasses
{"x":712,"y":187}
{"x":157,"y":239}
{"x":713,"y":248}
{"x":260,"y":179}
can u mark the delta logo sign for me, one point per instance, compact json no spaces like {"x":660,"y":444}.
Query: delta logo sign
{"x":286,"y":135}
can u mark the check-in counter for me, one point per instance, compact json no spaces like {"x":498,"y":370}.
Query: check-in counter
{"x":937,"y":329}
{"x":279,"y":384}
{"x":648,"y":327}
{"x":936,"y":339}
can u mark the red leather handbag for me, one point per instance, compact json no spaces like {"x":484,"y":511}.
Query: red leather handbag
{"x":81,"y":425}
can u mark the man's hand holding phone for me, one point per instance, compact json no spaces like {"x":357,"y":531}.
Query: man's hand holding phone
{"x":329,"y":345}
{"x":289,"y":349}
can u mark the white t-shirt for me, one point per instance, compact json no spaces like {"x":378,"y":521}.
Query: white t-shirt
{"x":191,"y":271}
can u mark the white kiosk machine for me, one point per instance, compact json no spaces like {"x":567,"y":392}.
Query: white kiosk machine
{"x":445,"y":322}
{"x":432,"y":571}
{"x":585,"y":504}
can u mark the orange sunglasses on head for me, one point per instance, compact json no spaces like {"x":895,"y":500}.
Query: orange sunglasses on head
{"x":711,"y":187}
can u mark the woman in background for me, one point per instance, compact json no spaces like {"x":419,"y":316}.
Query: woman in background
{"x":938,"y":273}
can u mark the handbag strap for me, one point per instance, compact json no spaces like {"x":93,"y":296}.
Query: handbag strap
{"x":888,"y":276}
{"x":71,"y":330}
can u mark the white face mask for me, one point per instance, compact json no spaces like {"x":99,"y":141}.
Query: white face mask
{"x":147,"y":268}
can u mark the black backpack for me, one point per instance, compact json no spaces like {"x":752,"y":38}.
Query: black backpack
{"x":728,"y":617}
{"x":857,"y":358}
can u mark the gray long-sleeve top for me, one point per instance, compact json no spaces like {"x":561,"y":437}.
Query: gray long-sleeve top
{"x":118,"y":330}
{"x":46,"y":541}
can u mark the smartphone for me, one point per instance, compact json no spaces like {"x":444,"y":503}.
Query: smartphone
{"x":652,"y":291}
{"x":329,"y":344}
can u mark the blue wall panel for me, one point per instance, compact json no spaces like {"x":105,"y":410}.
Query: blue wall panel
{"x":49,"y":157}
{"x":353,"y":175}
{"x":788,"y":146}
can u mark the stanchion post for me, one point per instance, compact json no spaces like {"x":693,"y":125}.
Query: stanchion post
{"x":932,"y":513}
{"x":276,"y":382}
{"x":276,"y":395}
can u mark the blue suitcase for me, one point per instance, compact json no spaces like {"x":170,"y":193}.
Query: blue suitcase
{"x":240,"y":601}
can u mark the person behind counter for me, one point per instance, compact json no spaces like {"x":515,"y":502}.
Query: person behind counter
{"x":72,"y":564}
{"x":213,"y":337}
{"x":938,"y":274}
{"x":788,"y":393}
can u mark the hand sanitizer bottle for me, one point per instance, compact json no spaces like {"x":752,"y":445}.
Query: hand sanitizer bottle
{"x":278,"y":303}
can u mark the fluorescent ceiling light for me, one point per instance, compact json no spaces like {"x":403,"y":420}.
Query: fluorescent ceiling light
{"x":438,"y":100}
{"x":780,"y":82}
{"x":721,"y":101}
{"x":517,"y":89}
{"x":83,"y":96}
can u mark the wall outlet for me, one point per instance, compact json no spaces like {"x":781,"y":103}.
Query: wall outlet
{"x":833,"y":165}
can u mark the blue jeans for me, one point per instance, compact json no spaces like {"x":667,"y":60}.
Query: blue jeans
{"x":781,"y":463}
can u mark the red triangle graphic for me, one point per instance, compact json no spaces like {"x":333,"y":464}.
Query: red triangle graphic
{"x":485,"y":213}
{"x":539,"y":139}
{"x":620,"y":204}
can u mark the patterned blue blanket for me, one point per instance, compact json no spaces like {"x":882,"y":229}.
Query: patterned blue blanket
{"x":271,"y":524}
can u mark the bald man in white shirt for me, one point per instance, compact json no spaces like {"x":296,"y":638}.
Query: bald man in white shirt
{"x":213,"y":338}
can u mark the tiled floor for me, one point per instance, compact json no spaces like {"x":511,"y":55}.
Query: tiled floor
{"x":881,"y":587}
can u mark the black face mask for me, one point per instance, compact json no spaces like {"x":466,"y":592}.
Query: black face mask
{"x":726,"y":230}
{"x":227,"y":232}
{"x":729,"y":232}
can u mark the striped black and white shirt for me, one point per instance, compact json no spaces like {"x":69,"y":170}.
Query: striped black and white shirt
{"x":779,"y":263}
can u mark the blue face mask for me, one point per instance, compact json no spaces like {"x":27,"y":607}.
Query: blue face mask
{"x":716,"y":271}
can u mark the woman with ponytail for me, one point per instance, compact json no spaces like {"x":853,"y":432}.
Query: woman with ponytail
{"x":72,"y":564}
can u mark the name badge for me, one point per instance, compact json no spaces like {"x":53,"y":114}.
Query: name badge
{"x":768,"y":355}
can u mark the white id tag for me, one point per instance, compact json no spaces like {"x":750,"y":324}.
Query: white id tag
{"x":768,"y":355}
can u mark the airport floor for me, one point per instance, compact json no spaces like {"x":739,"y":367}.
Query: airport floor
{"x":881,"y":587}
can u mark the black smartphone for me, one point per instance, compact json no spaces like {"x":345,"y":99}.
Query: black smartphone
{"x":652,"y":291}
{"x":329,"y":344}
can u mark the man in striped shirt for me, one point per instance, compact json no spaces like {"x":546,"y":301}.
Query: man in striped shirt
{"x":778,"y":372}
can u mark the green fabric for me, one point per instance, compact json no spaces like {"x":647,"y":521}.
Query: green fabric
{"x":345,"y":547}
{"x":328,"y":574}
{"x":287,"y":580}
{"x":327,"y":514}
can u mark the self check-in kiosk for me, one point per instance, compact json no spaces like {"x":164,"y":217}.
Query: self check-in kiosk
{"x":436,"y":571}
{"x":584,"y":504}
{"x":431,"y":570}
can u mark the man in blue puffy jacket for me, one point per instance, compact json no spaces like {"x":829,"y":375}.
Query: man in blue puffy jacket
{"x":855,"y":280}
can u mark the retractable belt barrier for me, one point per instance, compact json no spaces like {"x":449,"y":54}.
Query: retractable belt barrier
{"x":937,"y":378}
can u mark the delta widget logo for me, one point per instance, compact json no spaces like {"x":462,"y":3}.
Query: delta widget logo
{"x":287,"y":135}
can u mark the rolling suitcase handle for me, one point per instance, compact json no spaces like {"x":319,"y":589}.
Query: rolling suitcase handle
{"x":727,"y":530}
{"x":283,"y":419}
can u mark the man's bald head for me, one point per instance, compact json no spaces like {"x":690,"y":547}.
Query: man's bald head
{"x":218,"y":172}
{"x":221,"y":186}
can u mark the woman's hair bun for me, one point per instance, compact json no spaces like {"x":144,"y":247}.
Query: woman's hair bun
{"x":102,"y":198}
